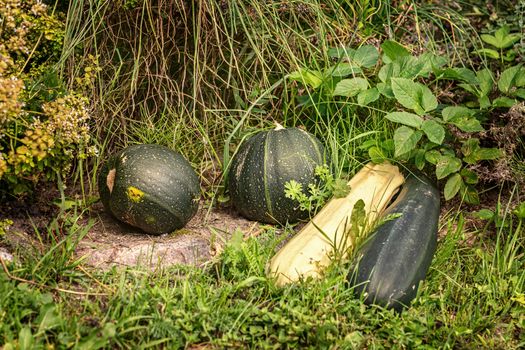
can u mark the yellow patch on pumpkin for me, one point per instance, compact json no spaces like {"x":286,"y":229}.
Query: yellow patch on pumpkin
{"x":135,"y":195}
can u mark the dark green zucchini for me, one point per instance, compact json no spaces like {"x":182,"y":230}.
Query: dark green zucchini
{"x":390,"y":265}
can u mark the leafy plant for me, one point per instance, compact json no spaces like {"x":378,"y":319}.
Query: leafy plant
{"x":314,"y":197}
{"x":502,"y":42}
{"x":428,"y":133}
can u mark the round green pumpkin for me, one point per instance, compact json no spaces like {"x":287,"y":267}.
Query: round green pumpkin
{"x":262,"y":166}
{"x":150,"y":187}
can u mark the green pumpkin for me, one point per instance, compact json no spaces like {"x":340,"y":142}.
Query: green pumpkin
{"x":150,"y":187}
{"x":262,"y":166}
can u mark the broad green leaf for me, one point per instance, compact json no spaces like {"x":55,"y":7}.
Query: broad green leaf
{"x":388,"y":71}
{"x":470,"y":88}
{"x":432,"y":62}
{"x":519,"y":80}
{"x":434,"y":131}
{"x":453,"y":112}
{"x":392,"y":50}
{"x":350,"y":87}
{"x":452,"y":186}
{"x":469,"y":176}
{"x":341,"y":52}
{"x":469,"y":194}
{"x":366,"y":56}
{"x":504,"y":102}
{"x":432,"y":156}
{"x":484,"y":214}
{"x":410,"y":67}
{"x":507,"y":79}
{"x":414,"y":95}
{"x":367,"y":96}
{"x":312,"y":78}
{"x":490,"y":39}
{"x":488,"y":153}
{"x":484,"y":102}
{"x":462,"y":74}
{"x":520,"y":93}
{"x":405,"y":140}
{"x":502,"y":38}
{"x":447,"y":165}
{"x":25,"y":339}
{"x":385,"y":90}
{"x":342,"y":70}
{"x":488,"y":52}
{"x":419,"y":159}
{"x":376,"y":155}
{"x":468,"y":124}
{"x":486,"y":81}
{"x":405,"y":118}
{"x":469,"y":148}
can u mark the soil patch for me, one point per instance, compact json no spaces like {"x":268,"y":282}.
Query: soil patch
{"x":110,"y":243}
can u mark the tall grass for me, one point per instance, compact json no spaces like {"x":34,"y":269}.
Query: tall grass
{"x":185,"y":73}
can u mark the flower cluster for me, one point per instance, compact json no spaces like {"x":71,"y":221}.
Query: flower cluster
{"x":40,"y":134}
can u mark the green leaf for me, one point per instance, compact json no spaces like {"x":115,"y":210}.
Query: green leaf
{"x":469,"y":176}
{"x":469,"y":148}
{"x":519,"y":80}
{"x":504,"y":101}
{"x":520,"y":211}
{"x":520,"y":93}
{"x":419,"y":159}
{"x":447,"y":165}
{"x":490,"y":39}
{"x":484,"y":102}
{"x":432,"y":156}
{"x":432,"y":62}
{"x":367,"y":96}
{"x":462,"y":74}
{"x":25,"y":339}
{"x":452,"y":186}
{"x":434,"y":131}
{"x":405,"y":118}
{"x":488,"y":153}
{"x":376,"y":155}
{"x":466,"y":124}
{"x":405,"y":140}
{"x":490,"y":53}
{"x":414,"y":95}
{"x":484,"y":214}
{"x":312,"y":78}
{"x":392,"y":50}
{"x":502,"y":38}
{"x":342,"y":70}
{"x":452,"y":112}
{"x":388,"y":71}
{"x":385,"y":90}
{"x":486,"y":81}
{"x":507,"y":79}
{"x":341,"y":52}
{"x":469,"y":195}
{"x":366,"y":56}
{"x":410,"y":67}
{"x":350,"y":87}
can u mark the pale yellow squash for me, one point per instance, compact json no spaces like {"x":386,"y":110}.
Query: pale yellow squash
{"x":310,"y":250}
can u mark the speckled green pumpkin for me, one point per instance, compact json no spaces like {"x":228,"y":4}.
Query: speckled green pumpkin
{"x":262,"y":166}
{"x":150,"y":187}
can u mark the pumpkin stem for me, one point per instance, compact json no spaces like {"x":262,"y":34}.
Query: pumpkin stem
{"x":278,"y":126}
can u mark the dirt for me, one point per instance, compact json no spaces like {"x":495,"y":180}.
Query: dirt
{"x":110,"y":243}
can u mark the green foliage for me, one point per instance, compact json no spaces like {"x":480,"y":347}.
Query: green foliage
{"x":317,"y":194}
{"x":43,"y":126}
{"x":427,"y":132}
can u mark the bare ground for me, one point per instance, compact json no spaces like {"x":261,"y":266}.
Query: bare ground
{"x":110,"y":243}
